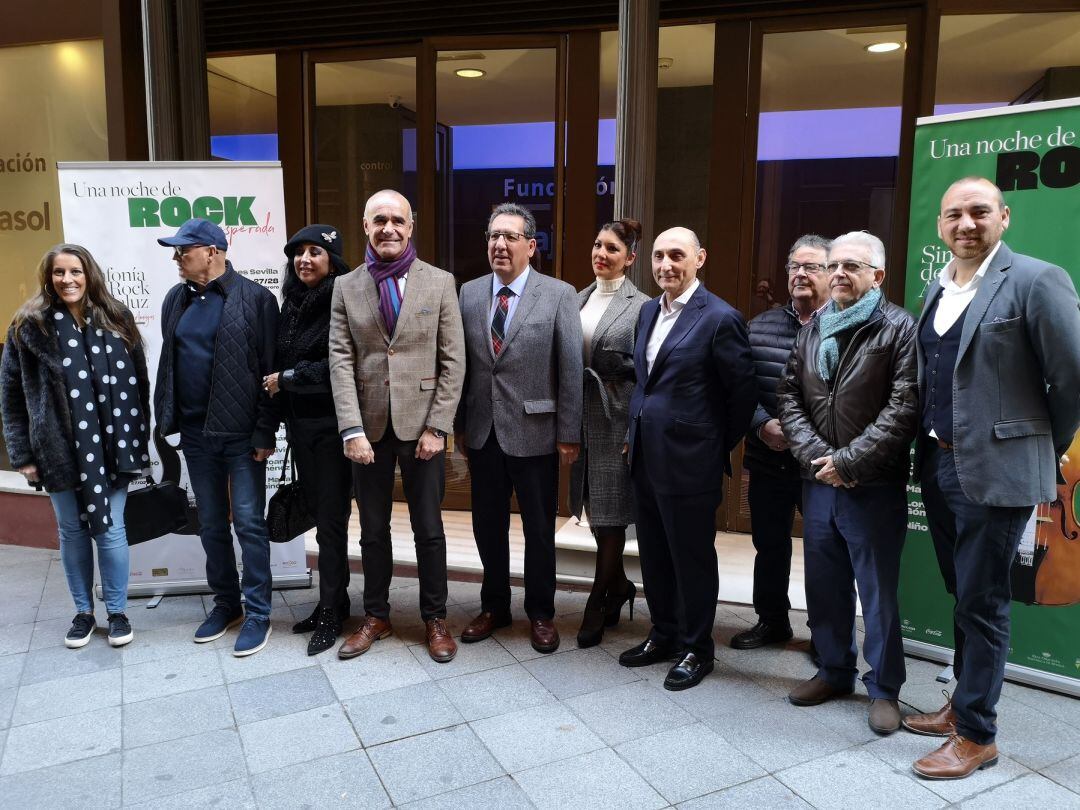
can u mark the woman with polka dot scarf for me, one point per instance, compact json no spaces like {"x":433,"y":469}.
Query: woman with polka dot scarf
{"x":75,"y":397}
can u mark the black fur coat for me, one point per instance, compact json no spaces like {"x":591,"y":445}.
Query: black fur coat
{"x":33,"y":400}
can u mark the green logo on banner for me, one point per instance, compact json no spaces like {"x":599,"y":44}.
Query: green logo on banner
{"x":146,"y":212}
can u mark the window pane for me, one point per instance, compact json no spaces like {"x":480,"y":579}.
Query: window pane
{"x":497,"y":145}
{"x":605,"y":135}
{"x":684,"y":128}
{"x":365,"y":141}
{"x":828,"y":139}
{"x":990,"y":60}
{"x":54,"y":102}
{"x":243,"y":107}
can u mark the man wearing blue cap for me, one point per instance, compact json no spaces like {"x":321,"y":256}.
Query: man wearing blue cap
{"x":218,"y":330}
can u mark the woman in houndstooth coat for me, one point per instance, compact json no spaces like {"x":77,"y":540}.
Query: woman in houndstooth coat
{"x":600,"y":480}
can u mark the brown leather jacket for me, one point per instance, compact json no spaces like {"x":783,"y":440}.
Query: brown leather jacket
{"x":867,"y":419}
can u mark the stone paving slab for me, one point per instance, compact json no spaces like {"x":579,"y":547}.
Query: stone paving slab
{"x":164,"y":722}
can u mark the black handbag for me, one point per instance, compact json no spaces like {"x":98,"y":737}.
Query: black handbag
{"x":155,"y":510}
{"x":287,"y":515}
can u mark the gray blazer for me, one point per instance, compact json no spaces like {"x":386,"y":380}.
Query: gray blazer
{"x":531,"y":393}
{"x":601,"y":477}
{"x":1016,"y":385}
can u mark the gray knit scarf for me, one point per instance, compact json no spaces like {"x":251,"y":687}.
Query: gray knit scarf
{"x":833,"y":321}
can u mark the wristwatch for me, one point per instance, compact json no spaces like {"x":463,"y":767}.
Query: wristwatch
{"x":438,"y":434}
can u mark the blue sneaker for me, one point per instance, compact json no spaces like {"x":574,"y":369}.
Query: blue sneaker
{"x":253,"y":636}
{"x":219,"y":620}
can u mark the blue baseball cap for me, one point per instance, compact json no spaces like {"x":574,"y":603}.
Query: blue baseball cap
{"x":197,"y":232}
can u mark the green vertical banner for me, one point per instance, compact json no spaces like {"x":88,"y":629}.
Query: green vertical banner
{"x":1032,"y":152}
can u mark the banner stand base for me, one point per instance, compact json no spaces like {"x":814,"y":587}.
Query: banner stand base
{"x":1013,"y":672}
{"x":188,"y":587}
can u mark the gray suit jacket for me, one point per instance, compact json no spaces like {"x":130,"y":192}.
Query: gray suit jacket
{"x":1016,"y":385}
{"x":531,"y":392}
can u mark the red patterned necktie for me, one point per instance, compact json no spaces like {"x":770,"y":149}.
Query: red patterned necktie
{"x":498,"y":322}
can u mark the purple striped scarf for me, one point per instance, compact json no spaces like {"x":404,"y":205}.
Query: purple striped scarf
{"x":386,"y":275}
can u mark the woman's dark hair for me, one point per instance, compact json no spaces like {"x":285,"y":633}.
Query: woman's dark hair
{"x":103,"y":309}
{"x":628,"y":232}
{"x":289,"y":281}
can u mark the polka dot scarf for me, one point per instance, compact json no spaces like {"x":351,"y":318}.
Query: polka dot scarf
{"x":106,"y":418}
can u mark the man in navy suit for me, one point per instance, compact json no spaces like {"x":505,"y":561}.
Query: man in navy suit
{"x":695,"y":394}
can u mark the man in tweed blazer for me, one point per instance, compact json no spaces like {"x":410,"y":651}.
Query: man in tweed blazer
{"x":397,"y":361}
{"x":521,"y":412}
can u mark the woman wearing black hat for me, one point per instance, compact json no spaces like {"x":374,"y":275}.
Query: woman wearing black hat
{"x":302,"y":377}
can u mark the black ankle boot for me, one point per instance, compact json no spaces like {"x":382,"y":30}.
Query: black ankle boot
{"x":326,"y":632}
{"x":308,"y":624}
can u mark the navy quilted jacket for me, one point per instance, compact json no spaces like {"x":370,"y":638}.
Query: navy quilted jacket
{"x":243,"y":355}
{"x":772,"y":336}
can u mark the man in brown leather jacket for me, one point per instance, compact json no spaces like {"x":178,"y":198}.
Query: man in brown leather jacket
{"x":848,"y":405}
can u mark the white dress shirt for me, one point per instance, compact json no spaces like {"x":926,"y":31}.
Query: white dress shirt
{"x":664,"y":323}
{"x":517,"y":286}
{"x":352,"y":433}
{"x":954,"y":299}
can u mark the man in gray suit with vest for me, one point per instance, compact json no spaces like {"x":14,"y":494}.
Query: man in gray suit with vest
{"x":520,"y":414}
{"x":999,"y":386}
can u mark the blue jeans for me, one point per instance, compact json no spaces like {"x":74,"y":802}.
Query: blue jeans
{"x":219,"y":468}
{"x":855,"y":536}
{"x":77,"y":552}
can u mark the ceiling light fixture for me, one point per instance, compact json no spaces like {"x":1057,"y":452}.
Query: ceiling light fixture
{"x":470,"y":73}
{"x":884,"y":47}
{"x":664,"y":62}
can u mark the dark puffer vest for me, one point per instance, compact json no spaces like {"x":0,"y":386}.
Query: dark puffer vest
{"x":243,"y":355}
{"x":772,"y":335}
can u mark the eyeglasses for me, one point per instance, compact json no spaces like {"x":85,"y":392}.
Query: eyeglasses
{"x":510,"y":236}
{"x":180,"y":250}
{"x":849,"y":266}
{"x":811,"y":268}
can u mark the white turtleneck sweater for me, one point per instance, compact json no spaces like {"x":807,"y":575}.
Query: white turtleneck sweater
{"x":594,"y":310}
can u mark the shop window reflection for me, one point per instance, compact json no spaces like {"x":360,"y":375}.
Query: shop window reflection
{"x":242,"y":92}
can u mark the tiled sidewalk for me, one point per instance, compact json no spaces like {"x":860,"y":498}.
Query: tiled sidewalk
{"x":165,"y":723}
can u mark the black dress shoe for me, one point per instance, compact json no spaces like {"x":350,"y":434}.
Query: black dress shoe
{"x":688,"y":672}
{"x":761,"y":634}
{"x":645,"y":653}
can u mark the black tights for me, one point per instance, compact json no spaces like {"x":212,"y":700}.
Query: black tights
{"x":610,"y":575}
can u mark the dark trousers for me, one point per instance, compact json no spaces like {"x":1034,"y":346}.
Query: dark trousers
{"x":535,"y":481}
{"x":773,"y":500}
{"x":424,"y":483}
{"x":855,"y":536}
{"x":975,"y":547}
{"x":225,"y":478}
{"x":326,"y":477}
{"x":677,"y":542}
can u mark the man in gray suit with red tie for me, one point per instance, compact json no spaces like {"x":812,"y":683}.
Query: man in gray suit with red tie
{"x":519,"y":416}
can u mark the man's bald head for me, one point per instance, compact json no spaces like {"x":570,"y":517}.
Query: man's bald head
{"x":677,"y":256}
{"x":387,"y":195}
{"x":975,"y":180}
{"x":388,"y":223}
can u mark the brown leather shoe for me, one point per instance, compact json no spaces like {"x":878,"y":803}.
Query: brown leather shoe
{"x":440,"y":644}
{"x":483,"y":626}
{"x":815,"y":691}
{"x":884,"y":716}
{"x":941,"y":723}
{"x":957,"y":758}
{"x":545,"y":636}
{"x":360,"y":642}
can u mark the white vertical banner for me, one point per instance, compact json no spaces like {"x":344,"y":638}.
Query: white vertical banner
{"x":118,"y":211}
